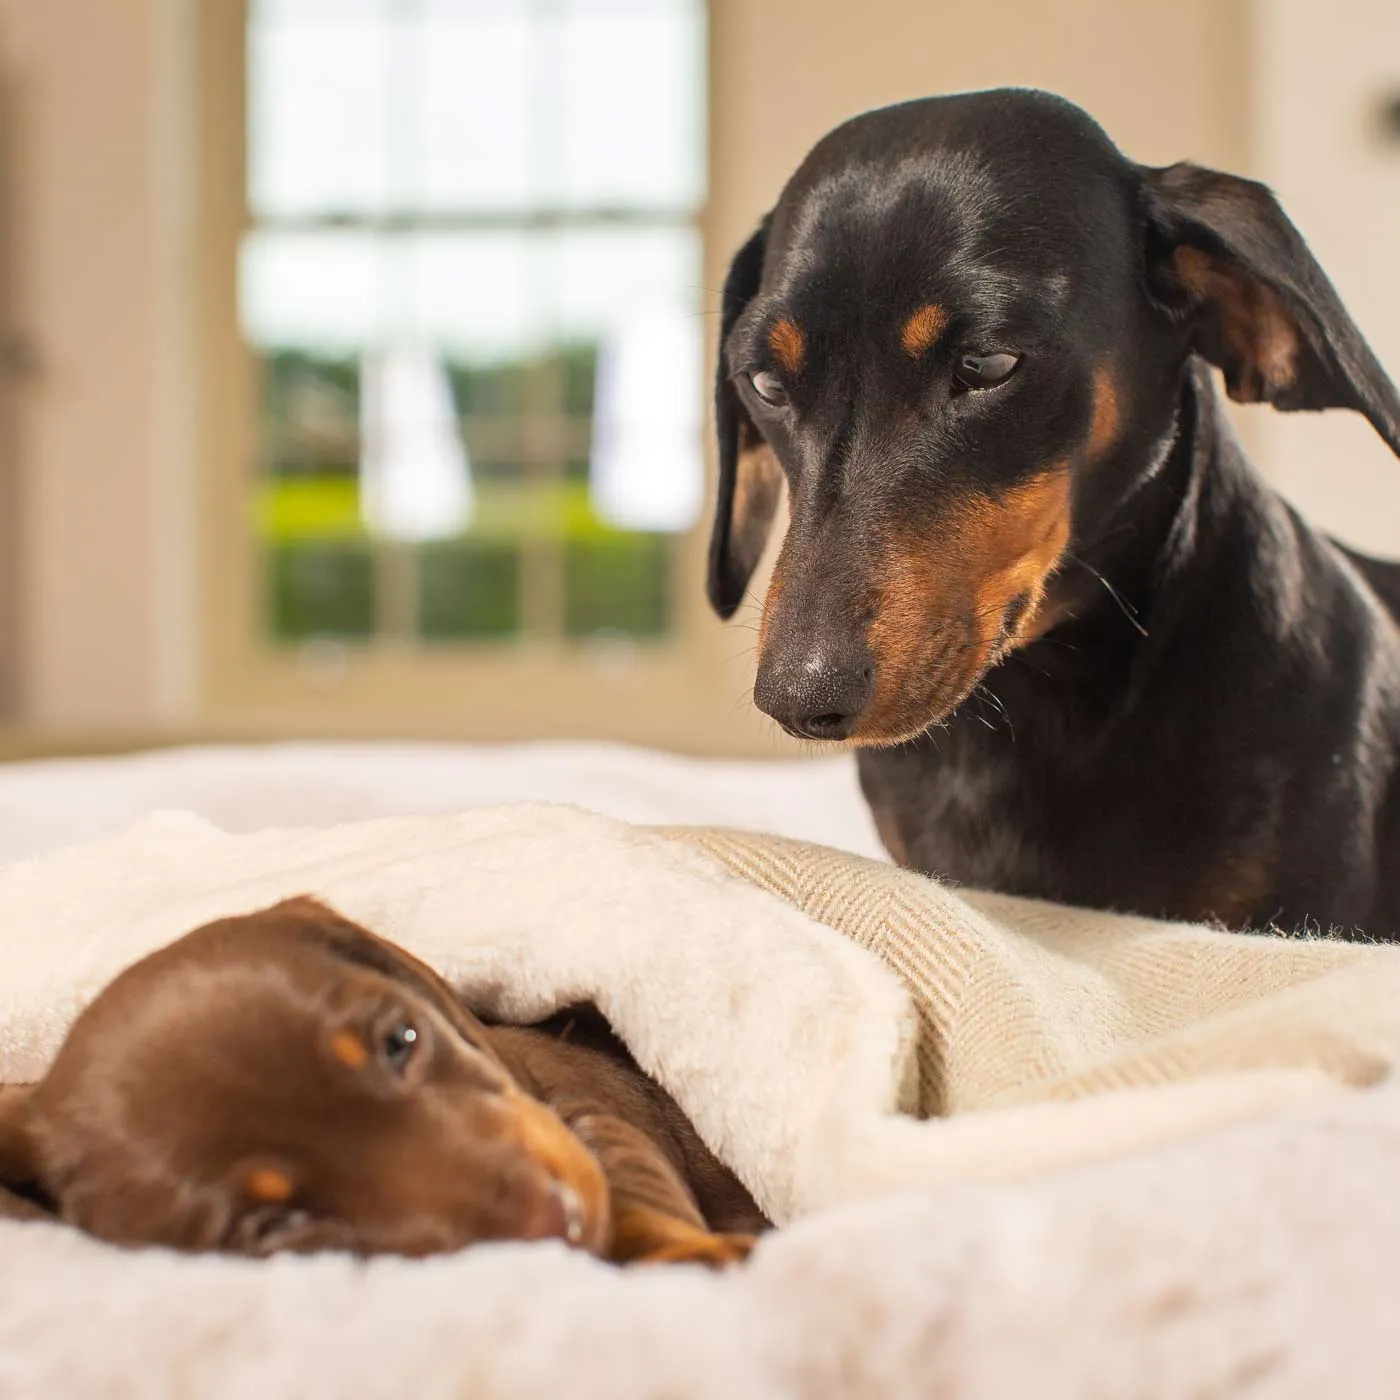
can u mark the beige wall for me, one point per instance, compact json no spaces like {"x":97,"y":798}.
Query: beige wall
{"x":109,"y":469}
{"x":789,"y":70}
{"x":1338,"y":174}
{"x":101,"y":268}
{"x":11,"y":614}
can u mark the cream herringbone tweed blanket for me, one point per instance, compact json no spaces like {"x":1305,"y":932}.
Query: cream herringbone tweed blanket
{"x":1165,"y":1162}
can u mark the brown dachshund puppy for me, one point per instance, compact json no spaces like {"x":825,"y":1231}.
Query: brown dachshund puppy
{"x":289,"y":1081}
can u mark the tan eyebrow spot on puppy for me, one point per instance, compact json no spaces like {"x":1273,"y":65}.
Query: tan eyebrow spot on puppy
{"x":922,"y":329}
{"x":349,"y":1049}
{"x":268,"y":1185}
{"x":788,"y":344}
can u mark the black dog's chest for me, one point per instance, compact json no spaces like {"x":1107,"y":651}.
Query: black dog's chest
{"x":1203,"y":835}
{"x":956,"y":814}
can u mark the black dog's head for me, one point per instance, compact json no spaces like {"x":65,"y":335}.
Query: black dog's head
{"x":959,"y":337}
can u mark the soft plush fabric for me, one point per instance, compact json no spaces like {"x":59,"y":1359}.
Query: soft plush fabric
{"x":1168,"y":1167}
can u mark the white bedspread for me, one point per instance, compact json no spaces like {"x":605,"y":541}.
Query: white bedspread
{"x":1135,"y":1196}
{"x":50,"y":803}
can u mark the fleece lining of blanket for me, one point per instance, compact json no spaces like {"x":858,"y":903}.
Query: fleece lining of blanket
{"x":1119,"y":1099}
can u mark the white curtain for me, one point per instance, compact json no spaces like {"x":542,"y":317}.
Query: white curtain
{"x":415,"y":478}
{"x":646,"y":471}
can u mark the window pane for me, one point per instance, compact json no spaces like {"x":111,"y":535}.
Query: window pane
{"x":415,"y":471}
{"x":320,"y":590}
{"x":618,"y":583}
{"x":266,"y":11}
{"x":632,"y":107}
{"x":634,"y":296}
{"x":481,"y":295}
{"x":318,"y":111}
{"x":474,"y":90}
{"x":646,"y":467}
{"x":601,"y":276}
{"x":366,"y":107}
{"x":312,"y":289}
{"x":469,"y":589}
{"x":477,"y":295}
{"x":481,"y":389}
{"x":311,"y":414}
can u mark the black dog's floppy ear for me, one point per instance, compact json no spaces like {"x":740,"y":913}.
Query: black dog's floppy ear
{"x":19,"y":1168}
{"x":750,"y":480}
{"x":1222,"y":251}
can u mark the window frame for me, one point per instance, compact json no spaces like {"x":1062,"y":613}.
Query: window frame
{"x":687,"y":691}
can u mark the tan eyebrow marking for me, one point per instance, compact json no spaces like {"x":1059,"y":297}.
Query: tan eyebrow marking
{"x":349,"y":1049}
{"x":922,"y":329}
{"x":788,"y":344}
{"x":1103,"y":428}
{"x":269,"y":1185}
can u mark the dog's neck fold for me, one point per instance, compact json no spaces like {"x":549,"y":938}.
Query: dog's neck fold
{"x":1123,"y":570}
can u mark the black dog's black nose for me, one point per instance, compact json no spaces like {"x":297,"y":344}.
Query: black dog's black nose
{"x":816,"y":696}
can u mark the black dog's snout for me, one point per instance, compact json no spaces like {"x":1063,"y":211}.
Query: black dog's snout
{"x":816,"y":696}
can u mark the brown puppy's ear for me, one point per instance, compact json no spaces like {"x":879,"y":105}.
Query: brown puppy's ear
{"x":17,"y":1163}
{"x":19,"y":1168}
{"x":750,"y":480}
{"x":1223,"y":253}
{"x":349,"y":941}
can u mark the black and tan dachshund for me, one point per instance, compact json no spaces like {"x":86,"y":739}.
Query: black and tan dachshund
{"x":1084,"y":651}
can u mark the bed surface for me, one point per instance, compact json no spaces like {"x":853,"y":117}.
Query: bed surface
{"x":1153,"y":1165}
{"x":46,"y":804}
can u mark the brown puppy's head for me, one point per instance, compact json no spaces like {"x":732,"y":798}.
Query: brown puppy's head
{"x":288,"y":1081}
{"x":959,"y":341}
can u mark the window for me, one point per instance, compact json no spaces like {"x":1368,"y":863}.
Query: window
{"x":471,"y":282}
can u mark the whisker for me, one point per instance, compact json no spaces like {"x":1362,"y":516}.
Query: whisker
{"x":1124,"y":606}
{"x":984,"y":692}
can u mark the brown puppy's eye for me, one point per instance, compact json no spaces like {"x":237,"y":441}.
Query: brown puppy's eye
{"x":984,"y":371}
{"x":769,"y":388}
{"x":398,"y":1042}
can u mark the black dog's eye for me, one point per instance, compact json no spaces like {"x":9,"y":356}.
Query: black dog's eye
{"x":397,"y":1043}
{"x":984,"y":371}
{"x":769,"y":388}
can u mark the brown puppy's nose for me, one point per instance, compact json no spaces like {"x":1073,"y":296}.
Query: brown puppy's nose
{"x":817,"y":696}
